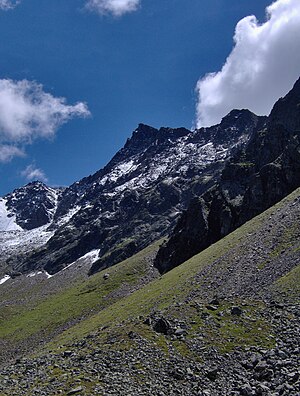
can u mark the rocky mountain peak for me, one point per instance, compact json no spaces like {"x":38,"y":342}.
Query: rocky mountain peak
{"x":145,"y":136}
{"x":34,"y":204}
{"x":239,"y":119}
{"x":235,"y":128}
{"x":142,"y":136}
{"x":286,"y":111}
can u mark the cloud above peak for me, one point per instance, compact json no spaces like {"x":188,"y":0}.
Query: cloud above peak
{"x":6,"y":5}
{"x":114,"y":7}
{"x":31,"y":172}
{"x":263,"y":65}
{"x":27,"y":113}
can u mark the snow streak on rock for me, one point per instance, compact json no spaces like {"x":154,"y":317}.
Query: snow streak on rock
{"x":7,"y":218}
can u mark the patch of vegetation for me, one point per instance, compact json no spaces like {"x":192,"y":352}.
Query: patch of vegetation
{"x":234,"y":331}
{"x":245,"y":164}
{"x":288,"y":239}
{"x":290,"y":283}
{"x":161,"y":294}
{"x":95,"y":300}
{"x":80,"y":300}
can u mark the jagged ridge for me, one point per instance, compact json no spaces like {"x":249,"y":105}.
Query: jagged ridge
{"x":258,"y":176}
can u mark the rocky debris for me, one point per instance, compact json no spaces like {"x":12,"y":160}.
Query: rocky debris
{"x":181,"y":358}
{"x":87,"y":368}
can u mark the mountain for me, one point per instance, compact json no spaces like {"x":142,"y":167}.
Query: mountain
{"x":134,"y":200}
{"x":206,"y":302}
{"x":257,"y":176}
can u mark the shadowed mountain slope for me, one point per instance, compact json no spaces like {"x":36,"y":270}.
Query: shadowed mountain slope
{"x":256,"y":177}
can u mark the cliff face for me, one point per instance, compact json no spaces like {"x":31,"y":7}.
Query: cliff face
{"x":257,"y":176}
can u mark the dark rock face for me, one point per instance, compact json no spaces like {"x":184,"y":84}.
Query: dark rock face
{"x":138,"y":197}
{"x":258,"y":175}
{"x":33,"y":204}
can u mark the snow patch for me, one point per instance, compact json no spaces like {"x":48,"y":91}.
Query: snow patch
{"x":32,"y":274}
{"x":4,"y":279}
{"x":63,"y":220}
{"x":92,"y":256}
{"x":18,"y":242}
{"x":7,"y":219}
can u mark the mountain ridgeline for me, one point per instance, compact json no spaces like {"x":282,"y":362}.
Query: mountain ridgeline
{"x":257,"y":176}
{"x":189,"y":187}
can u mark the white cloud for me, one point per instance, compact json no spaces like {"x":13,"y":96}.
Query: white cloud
{"x":6,"y":5}
{"x":115,"y":7}
{"x":7,"y":152}
{"x":263,"y":65}
{"x":31,"y":172}
{"x":28,"y":113}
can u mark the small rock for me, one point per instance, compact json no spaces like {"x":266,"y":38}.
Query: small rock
{"x":212,"y":373}
{"x":236,"y":311}
{"x":162,"y":326}
{"x":148,"y":321}
{"x":246,"y":390}
{"x":261,"y":365}
{"x":180,"y":332}
{"x":215,"y":301}
{"x":211,"y":307}
{"x":75,"y":390}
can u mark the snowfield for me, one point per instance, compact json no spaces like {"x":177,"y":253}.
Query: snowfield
{"x":7,"y":219}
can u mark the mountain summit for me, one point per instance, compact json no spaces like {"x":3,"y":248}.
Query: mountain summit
{"x":135,"y":199}
{"x":218,"y":177}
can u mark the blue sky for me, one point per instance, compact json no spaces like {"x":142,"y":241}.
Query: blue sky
{"x":114,"y":68}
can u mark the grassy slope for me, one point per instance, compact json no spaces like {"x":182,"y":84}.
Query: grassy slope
{"x":23,"y":319}
{"x":167,"y":293}
{"x":94,"y":301}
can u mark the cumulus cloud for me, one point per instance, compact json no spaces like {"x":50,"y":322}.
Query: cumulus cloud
{"x":6,"y":5}
{"x":28,"y":113}
{"x":114,"y":7}
{"x":263,"y":65}
{"x":31,"y":172}
{"x":7,"y":152}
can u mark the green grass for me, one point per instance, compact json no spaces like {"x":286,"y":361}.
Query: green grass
{"x":161,"y":294}
{"x":290,"y":283}
{"x":81,"y":299}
